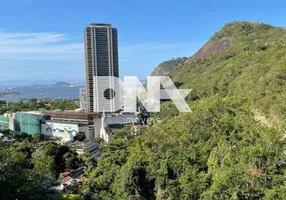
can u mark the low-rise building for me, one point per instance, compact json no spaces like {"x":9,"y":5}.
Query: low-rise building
{"x":65,"y":125}
{"x":80,"y":122}
{"x":5,"y":122}
{"x":62,"y":130}
{"x":103,"y":126}
{"x":29,"y":122}
{"x":82,"y":147}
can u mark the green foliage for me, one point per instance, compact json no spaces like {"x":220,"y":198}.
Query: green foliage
{"x":232,"y":145}
{"x":38,"y":137}
{"x":27,"y":169}
{"x":44,"y":167}
{"x":240,"y":28}
{"x":17,"y":178}
{"x":63,"y":156}
{"x":168,"y":66}
{"x":63,"y":105}
{"x":80,"y":136}
{"x":34,"y":105}
{"x":168,"y":110}
{"x":113,"y":156}
{"x":217,"y":152}
{"x":70,"y":197}
{"x":72,"y":160}
{"x":253,"y":67}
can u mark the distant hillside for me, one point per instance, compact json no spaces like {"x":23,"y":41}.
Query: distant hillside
{"x":62,"y":84}
{"x":14,"y":83}
{"x":168,"y":66}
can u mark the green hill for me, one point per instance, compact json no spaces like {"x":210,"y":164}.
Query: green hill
{"x":253,"y":66}
{"x":232,"y":145}
{"x":167,"y":67}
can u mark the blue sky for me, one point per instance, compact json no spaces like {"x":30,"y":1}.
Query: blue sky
{"x":43,"y":39}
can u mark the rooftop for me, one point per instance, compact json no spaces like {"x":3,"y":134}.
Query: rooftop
{"x":81,"y":145}
{"x":71,"y":114}
{"x":65,"y":122}
{"x":99,"y":25}
{"x":65,"y":180}
{"x":64,"y":174}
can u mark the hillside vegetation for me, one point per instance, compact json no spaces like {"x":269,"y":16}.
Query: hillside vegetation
{"x":230,"y":147}
{"x":167,"y":67}
{"x":254,"y":66}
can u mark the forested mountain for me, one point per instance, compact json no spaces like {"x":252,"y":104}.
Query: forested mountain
{"x":253,"y":66}
{"x":167,"y":67}
{"x":230,"y":147}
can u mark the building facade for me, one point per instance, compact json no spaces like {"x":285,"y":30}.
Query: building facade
{"x":101,"y":59}
{"x":61,"y":125}
{"x":62,"y":130}
{"x":83,"y":120}
{"x":28,"y":122}
{"x":82,"y":99}
{"x":5,"y":123}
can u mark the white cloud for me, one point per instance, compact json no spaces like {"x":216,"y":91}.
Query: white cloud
{"x":54,"y":54}
{"x":58,"y":46}
{"x":38,"y":46}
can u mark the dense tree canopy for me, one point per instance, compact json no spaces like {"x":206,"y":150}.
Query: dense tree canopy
{"x":217,"y":152}
{"x":232,"y":145}
{"x":34,"y":105}
{"x":26,"y":169}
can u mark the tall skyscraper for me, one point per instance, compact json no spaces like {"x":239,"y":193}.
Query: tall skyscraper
{"x":101,"y":59}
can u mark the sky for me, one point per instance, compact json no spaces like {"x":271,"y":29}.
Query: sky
{"x":43,"y":39}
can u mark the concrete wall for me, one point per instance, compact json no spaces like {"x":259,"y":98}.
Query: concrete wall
{"x":97,"y":127}
{"x":88,"y":130}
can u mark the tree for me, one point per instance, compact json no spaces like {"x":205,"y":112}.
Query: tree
{"x":24,"y":147}
{"x":71,"y":160}
{"x":44,"y":167}
{"x":80,"y":136}
{"x":62,"y":156}
{"x":6,"y":132}
{"x":17,"y":180}
{"x":218,"y":151}
{"x":38,"y":137}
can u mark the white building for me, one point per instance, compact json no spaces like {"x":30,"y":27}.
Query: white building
{"x":62,"y":130}
{"x":81,"y":122}
{"x":101,"y":125}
